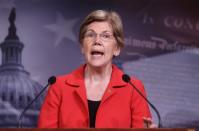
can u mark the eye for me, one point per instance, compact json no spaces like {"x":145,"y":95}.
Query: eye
{"x":90,"y":34}
{"x":106,"y":36}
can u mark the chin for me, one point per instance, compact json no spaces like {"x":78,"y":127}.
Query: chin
{"x":98,"y":64}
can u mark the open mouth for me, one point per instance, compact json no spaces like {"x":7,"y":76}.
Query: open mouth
{"x":97,"y":53}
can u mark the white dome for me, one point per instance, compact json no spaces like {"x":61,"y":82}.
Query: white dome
{"x":18,"y":89}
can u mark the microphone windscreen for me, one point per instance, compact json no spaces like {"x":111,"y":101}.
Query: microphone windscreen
{"x":52,"y":80}
{"x":126,"y":78}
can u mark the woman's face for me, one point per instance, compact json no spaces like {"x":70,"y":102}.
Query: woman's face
{"x":99,"y":45}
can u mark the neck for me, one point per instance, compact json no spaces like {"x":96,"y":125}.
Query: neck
{"x":98,"y":73}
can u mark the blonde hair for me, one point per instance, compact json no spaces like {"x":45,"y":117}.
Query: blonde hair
{"x":100,"y":16}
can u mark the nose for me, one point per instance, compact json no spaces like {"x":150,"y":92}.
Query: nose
{"x":97,"y":40}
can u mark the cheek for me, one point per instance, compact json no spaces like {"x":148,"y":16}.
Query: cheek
{"x":112,"y":49}
{"x":84,"y":48}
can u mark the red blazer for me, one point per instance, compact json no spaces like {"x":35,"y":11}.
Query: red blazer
{"x":65,"y":105}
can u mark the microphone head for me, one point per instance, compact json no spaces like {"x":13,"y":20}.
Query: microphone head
{"x":52,"y":80}
{"x":126,"y":78}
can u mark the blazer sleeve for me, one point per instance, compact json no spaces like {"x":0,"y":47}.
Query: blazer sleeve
{"x":48,"y":117}
{"x":139,"y":106}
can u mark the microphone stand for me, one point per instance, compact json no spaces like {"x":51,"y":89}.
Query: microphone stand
{"x":51,"y":81}
{"x":127,"y":79}
{"x":154,"y":108}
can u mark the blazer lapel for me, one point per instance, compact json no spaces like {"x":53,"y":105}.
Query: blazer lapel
{"x":76,"y":81}
{"x":81,"y":93}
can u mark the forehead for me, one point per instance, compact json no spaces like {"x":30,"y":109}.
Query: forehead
{"x":100,"y":27}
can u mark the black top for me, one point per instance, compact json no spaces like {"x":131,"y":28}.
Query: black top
{"x":93,"y":107}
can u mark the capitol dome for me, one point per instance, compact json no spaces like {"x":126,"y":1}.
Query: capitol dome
{"x":17,"y":89}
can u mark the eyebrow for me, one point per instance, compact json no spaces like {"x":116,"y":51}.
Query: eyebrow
{"x":106,"y":31}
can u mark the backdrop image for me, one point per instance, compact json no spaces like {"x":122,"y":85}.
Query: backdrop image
{"x":39,"y":39}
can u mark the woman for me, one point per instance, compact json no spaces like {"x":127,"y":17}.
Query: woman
{"x":95,"y":95}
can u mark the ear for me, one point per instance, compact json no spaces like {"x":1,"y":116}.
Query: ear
{"x":117,"y":52}
{"x":82,"y":49}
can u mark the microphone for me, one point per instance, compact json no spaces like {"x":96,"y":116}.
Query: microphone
{"x":127,"y":79}
{"x":51,"y":81}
